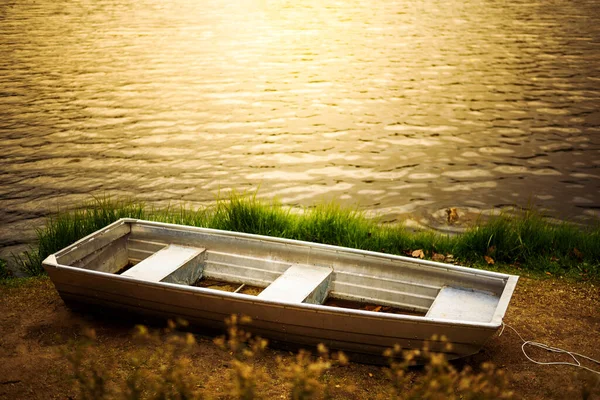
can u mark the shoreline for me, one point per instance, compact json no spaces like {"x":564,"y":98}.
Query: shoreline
{"x":525,"y":243}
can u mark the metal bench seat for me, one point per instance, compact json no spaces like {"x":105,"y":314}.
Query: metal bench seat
{"x":173,"y":264}
{"x":463,"y":304}
{"x":300,"y":284}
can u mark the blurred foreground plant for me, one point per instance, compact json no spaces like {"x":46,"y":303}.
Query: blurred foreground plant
{"x":242,"y":346}
{"x":162,"y":367}
{"x":441,"y":380}
{"x":89,"y":374}
{"x":171,"y":357}
{"x":158,"y":369}
{"x":305,"y":372}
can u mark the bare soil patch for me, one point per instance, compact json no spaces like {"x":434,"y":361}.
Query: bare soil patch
{"x":35,"y":324}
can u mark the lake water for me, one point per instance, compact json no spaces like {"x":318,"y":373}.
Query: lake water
{"x":403,"y":108}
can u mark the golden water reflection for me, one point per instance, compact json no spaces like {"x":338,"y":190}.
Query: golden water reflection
{"x":401,"y":107}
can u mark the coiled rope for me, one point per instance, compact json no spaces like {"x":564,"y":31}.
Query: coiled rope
{"x":575,"y":363}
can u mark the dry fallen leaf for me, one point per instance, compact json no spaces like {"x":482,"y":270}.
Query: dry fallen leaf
{"x":578,"y":253}
{"x":438,"y":257}
{"x":489,"y":260}
{"x":491,"y":250}
{"x":452,"y":215}
{"x":418,"y":253}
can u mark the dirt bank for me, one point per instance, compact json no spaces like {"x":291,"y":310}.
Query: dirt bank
{"x":35,"y":324}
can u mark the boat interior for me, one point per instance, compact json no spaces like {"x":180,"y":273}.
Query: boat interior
{"x":286,"y":271}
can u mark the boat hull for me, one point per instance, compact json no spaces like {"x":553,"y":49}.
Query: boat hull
{"x":358,"y":332}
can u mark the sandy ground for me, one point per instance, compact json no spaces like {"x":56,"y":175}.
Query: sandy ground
{"x":35,"y":324}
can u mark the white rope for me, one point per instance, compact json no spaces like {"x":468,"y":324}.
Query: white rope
{"x":576,"y":362}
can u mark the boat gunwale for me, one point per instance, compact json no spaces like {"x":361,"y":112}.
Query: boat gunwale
{"x":91,"y":236}
{"x":504,"y":300}
{"x":434,"y":264}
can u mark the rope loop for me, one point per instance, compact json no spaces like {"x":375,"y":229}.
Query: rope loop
{"x":575,"y":363}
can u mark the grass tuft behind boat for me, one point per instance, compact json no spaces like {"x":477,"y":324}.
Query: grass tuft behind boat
{"x":529,"y":244}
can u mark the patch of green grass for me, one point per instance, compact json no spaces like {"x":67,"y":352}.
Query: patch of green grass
{"x":5,"y":273}
{"x":332,"y":224}
{"x":244,"y":213}
{"x":68,"y":226}
{"x":532,"y":243}
{"x":528,"y":244}
{"x":19,"y":282}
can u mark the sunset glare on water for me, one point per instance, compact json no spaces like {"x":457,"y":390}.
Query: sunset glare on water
{"x":400,"y":108}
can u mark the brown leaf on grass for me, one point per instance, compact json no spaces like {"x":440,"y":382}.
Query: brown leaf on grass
{"x":418,"y":254}
{"x":491,"y":250}
{"x":438,"y":257}
{"x":578,"y":253}
{"x":489,"y":260}
{"x":548,"y":273}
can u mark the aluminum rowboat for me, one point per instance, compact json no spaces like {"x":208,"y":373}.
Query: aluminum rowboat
{"x":302,"y":288}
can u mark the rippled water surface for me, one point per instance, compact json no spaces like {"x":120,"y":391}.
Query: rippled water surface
{"x":402,"y":107}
